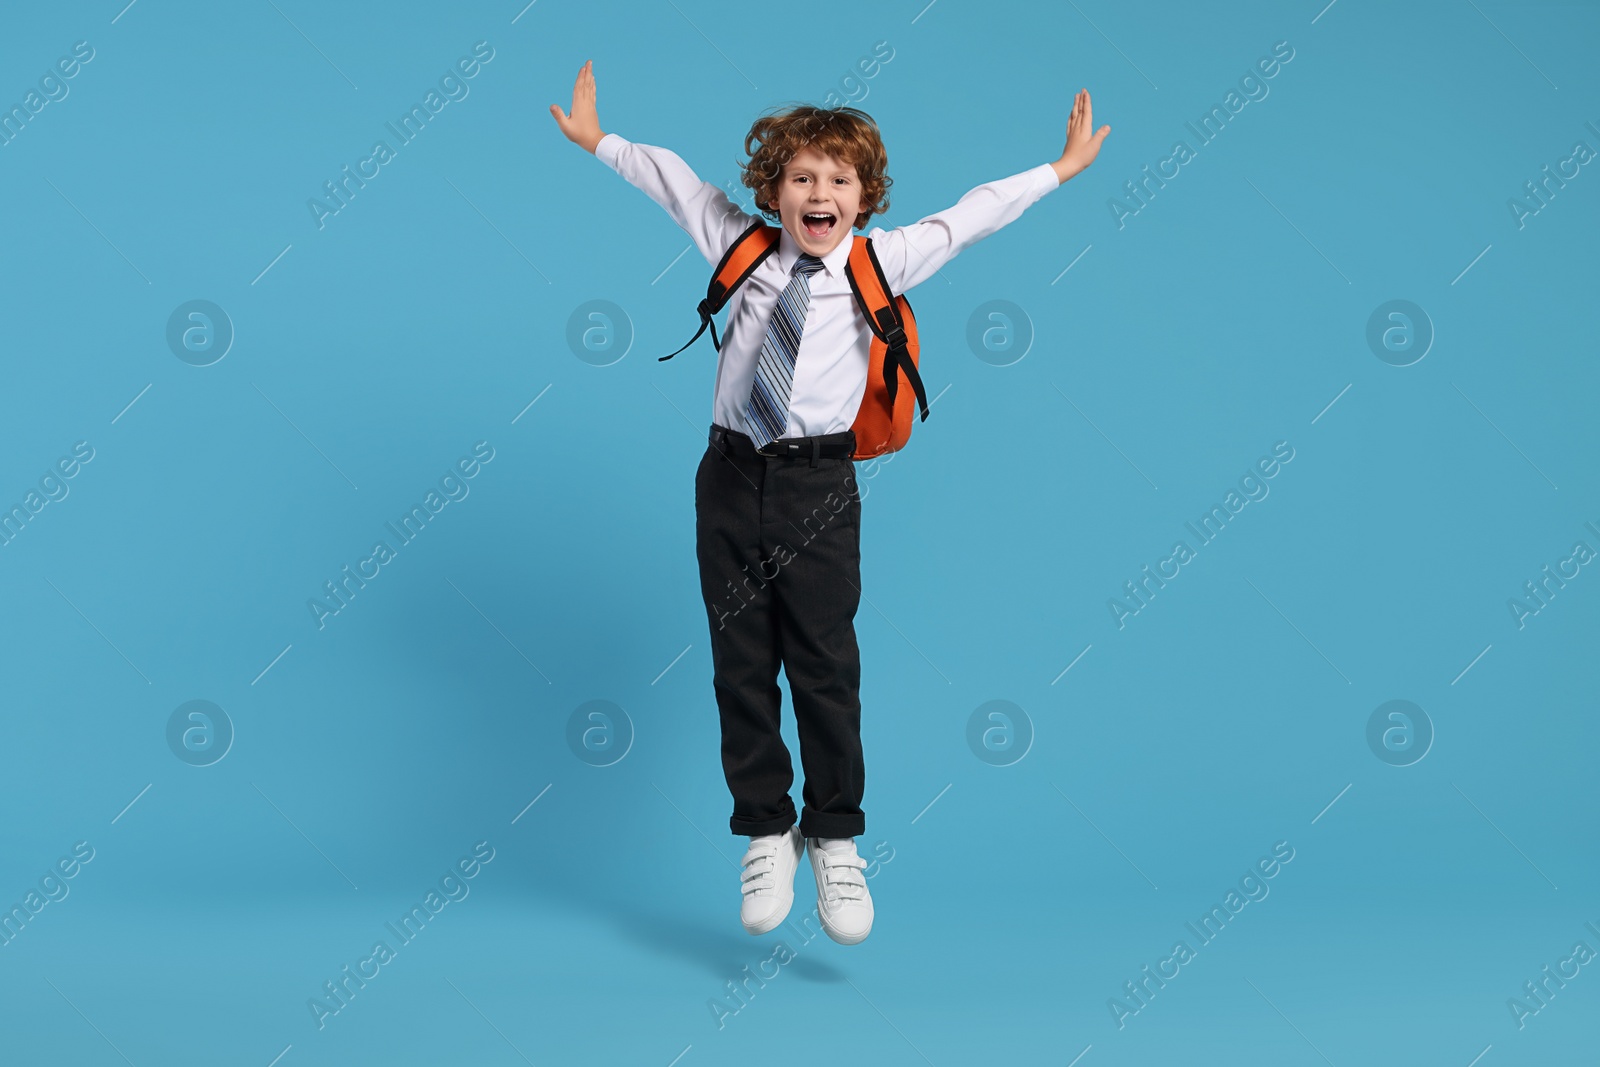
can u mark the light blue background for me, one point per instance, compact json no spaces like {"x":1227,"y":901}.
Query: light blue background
{"x":1229,"y":314}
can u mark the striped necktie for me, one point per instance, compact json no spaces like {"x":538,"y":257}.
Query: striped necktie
{"x":767,"y":412}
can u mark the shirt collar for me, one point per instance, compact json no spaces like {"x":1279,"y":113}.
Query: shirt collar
{"x":789,"y":251}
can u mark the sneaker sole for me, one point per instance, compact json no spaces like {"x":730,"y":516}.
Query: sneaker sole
{"x":773,"y":923}
{"x":840,"y":938}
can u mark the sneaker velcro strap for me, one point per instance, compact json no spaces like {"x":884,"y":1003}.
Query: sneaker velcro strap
{"x":843,"y":871}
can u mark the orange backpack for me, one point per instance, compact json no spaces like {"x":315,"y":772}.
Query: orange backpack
{"x":884,"y":420}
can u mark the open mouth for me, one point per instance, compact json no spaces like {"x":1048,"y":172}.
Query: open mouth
{"x":818,"y":223}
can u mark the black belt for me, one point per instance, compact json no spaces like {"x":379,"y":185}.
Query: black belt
{"x":822,"y":446}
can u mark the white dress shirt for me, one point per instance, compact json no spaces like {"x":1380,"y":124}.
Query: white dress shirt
{"x":830,"y":373}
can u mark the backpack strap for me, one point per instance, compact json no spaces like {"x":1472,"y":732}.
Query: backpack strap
{"x":738,"y":263}
{"x":871,"y":289}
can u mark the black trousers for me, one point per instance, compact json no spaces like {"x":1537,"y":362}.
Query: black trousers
{"x":779,"y":545}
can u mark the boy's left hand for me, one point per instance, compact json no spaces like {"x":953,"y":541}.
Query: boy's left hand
{"x":1082,"y":145}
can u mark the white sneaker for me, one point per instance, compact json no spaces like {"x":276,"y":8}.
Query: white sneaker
{"x":767,"y":880}
{"x":843,"y":902}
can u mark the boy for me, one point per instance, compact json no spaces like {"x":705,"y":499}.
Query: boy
{"x":775,"y":492}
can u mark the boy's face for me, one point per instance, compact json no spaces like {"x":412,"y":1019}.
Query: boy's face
{"x":818,"y":184}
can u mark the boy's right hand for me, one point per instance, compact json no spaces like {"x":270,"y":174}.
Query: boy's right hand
{"x":582,"y":127}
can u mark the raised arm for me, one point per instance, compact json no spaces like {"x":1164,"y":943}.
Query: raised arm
{"x":703,"y":211}
{"x":912,"y":254}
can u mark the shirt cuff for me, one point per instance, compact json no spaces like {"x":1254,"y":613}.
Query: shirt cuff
{"x":606,"y":151}
{"x":1044,"y":177}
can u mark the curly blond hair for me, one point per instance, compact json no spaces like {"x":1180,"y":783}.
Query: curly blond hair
{"x":845,"y":133}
